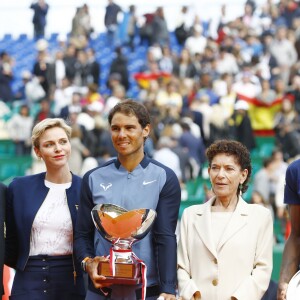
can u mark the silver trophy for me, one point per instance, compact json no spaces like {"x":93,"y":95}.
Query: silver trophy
{"x":122,"y":228}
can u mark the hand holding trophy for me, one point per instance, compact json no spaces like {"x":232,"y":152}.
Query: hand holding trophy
{"x":122,"y":228}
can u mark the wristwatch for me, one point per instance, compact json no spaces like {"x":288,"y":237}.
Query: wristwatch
{"x":83,"y":263}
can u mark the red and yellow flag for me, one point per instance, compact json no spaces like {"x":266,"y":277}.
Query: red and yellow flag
{"x":260,"y":113}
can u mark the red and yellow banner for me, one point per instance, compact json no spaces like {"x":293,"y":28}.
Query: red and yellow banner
{"x":262,"y":114}
{"x":143,"y":78}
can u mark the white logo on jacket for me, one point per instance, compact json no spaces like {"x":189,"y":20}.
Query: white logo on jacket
{"x":148,"y":182}
{"x":105,"y":188}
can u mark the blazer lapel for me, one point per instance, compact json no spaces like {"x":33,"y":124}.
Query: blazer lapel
{"x":237,"y":222}
{"x":202,"y":225}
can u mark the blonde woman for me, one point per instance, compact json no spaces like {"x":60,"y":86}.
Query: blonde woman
{"x":41,"y":213}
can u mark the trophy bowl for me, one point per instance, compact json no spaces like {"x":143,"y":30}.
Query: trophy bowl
{"x":122,"y":228}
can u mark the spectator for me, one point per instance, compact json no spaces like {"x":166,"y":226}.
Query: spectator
{"x":218,"y":124}
{"x":93,"y":96}
{"x":182,"y":29}
{"x":42,"y":69}
{"x":160,"y":28}
{"x":240,"y":125}
{"x":218,"y":22}
{"x":130,"y":24}
{"x":146,"y":29}
{"x":19,"y":128}
{"x":93,"y":66}
{"x":79,"y":151}
{"x":165,"y":155}
{"x":62,"y":96}
{"x":286,"y":127}
{"x":247,"y":85}
{"x":81,"y":24}
{"x":118,"y":94}
{"x":201,"y":104}
{"x":58,"y":69}
{"x":294,"y":91}
{"x":21,"y":92}
{"x":169,"y":100}
{"x":284,"y":52}
{"x":166,"y":62}
{"x":82,"y":70}
{"x":267,"y":95}
{"x":226,"y":62}
{"x":197,"y":42}
{"x":111,"y":22}
{"x":73,"y":107}
{"x":40,"y":9}
{"x":184,"y":67}
{"x":6,"y":77}
{"x":34,"y":91}
{"x":194,"y":146}
{"x":44,"y":111}
{"x":264,"y":181}
{"x":70,"y":61}
{"x":119,"y":66}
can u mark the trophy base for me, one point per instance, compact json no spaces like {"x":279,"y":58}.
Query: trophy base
{"x":127,"y":274}
{"x":122,"y":281}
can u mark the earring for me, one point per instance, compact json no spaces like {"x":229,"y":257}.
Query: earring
{"x":240,"y":188}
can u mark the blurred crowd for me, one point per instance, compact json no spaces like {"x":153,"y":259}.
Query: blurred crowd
{"x":200,"y":82}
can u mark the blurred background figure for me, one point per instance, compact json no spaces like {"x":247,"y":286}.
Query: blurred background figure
{"x":81,"y":25}
{"x":182,"y":29}
{"x":6,"y":77}
{"x":79,"y":151}
{"x":40,"y":9}
{"x":111,"y":22}
{"x":160,"y":28}
{"x":19,"y":129}
{"x":129,"y":27}
{"x":240,"y":125}
{"x":165,"y":155}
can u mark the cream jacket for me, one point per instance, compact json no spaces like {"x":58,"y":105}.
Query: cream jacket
{"x":241,"y":266}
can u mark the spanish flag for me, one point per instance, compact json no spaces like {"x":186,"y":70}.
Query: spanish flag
{"x":143,"y":78}
{"x":262,"y":114}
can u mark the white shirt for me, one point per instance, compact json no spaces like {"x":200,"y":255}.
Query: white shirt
{"x":196,"y":44}
{"x":169,"y":158}
{"x":52,"y":230}
{"x":19,"y":128}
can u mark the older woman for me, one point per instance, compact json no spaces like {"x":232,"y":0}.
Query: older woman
{"x":225,"y":246}
{"x":41,"y":212}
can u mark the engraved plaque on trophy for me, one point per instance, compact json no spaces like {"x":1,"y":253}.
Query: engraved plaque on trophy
{"x":122,"y":228}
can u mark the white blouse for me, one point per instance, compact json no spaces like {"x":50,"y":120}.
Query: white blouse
{"x":219,"y":222}
{"x":52,"y":230}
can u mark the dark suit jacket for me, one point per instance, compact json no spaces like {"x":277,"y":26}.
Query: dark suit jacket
{"x":25,"y":195}
{"x":2,"y":204}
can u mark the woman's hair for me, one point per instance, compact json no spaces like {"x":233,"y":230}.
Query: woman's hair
{"x":46,"y":124}
{"x":236,"y":149}
{"x":131,"y":108}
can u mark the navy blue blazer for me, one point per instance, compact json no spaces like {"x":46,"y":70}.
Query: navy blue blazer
{"x":25,"y":196}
